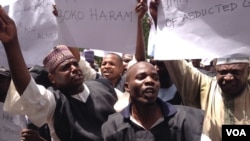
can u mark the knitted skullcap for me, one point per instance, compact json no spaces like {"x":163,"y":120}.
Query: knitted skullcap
{"x":234,"y":58}
{"x":89,"y":56}
{"x":58,"y":55}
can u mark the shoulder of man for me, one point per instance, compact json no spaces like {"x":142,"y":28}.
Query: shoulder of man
{"x":190,"y":111}
{"x":116,"y":123}
{"x":191,"y":120}
{"x":40,"y":75}
{"x":104,"y":85}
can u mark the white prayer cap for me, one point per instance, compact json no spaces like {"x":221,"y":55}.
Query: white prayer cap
{"x":234,"y":58}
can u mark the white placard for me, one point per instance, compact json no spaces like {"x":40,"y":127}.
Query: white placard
{"x":11,"y":125}
{"x":202,"y":28}
{"x":4,"y":3}
{"x":36,"y":27}
{"x":109,"y":25}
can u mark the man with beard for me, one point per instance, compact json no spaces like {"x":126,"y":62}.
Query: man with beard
{"x":73,"y":109}
{"x":148,"y":117}
{"x":224,"y":98}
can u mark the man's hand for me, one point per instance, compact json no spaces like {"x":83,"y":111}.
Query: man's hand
{"x":30,"y":135}
{"x":8,"y":30}
{"x":141,"y":8}
{"x":75,"y":51}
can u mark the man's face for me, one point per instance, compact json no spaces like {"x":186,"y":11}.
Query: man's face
{"x":164,"y":77}
{"x":232,"y":78}
{"x":111,"y":67}
{"x":142,"y":83}
{"x":68,"y":77}
{"x":126,"y":59}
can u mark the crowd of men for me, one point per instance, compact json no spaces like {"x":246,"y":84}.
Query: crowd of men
{"x":130,"y":99}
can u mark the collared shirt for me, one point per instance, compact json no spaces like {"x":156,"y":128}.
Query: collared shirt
{"x":201,"y":91}
{"x":38,"y":103}
{"x":167,"y":112}
{"x":175,"y":118}
{"x":137,"y":123}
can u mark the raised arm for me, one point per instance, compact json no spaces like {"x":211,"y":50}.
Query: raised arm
{"x":75,"y":51}
{"x":141,"y":9}
{"x":8,"y":36}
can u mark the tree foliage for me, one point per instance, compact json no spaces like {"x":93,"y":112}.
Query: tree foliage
{"x":146,"y":28}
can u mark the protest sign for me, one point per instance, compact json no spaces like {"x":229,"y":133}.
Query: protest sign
{"x":36,"y":27}
{"x":109,"y":25}
{"x":10,"y":125}
{"x":190,"y":29}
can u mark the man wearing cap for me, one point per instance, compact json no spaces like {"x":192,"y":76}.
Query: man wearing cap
{"x":225,"y":98}
{"x":73,"y":109}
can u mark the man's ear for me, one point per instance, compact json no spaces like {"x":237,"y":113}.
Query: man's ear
{"x":51,"y":78}
{"x":126,"y":87}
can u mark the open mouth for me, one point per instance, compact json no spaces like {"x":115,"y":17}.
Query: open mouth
{"x":149,"y":92}
{"x":106,"y":73}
